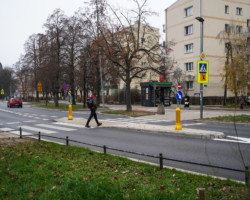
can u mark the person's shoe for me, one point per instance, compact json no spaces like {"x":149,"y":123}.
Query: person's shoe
{"x":99,"y":124}
{"x":87,"y":126}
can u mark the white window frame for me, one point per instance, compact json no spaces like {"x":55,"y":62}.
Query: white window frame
{"x":189,"y":66}
{"x":238,"y":11}
{"x":189,"y":48}
{"x":226,"y":9}
{"x":190,"y":85}
{"x":188,"y":11}
{"x":188,"y":29}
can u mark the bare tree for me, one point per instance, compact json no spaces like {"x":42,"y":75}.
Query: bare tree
{"x":237,"y":60}
{"x":55,"y":28}
{"x":128,"y":42}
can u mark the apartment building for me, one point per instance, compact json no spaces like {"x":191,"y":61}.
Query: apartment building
{"x":184,"y":29}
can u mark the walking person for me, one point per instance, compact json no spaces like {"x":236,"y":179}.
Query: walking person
{"x":242,"y":101}
{"x":91,"y":102}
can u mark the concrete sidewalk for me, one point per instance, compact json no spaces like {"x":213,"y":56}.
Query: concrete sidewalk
{"x":192,"y":113}
{"x":150,"y":128}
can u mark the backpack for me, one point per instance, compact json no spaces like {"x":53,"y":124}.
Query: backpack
{"x":90,"y":103}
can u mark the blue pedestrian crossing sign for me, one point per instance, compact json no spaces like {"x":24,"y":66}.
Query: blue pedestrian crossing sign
{"x":202,"y":71}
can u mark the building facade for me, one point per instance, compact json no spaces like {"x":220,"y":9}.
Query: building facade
{"x":184,"y":29}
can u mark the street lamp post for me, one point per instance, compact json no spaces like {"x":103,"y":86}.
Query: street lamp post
{"x":201,"y":20}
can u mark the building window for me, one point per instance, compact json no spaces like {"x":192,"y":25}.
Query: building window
{"x":238,"y":11}
{"x":238,"y":29}
{"x":188,"y":30}
{"x":227,"y":9}
{"x":189,"y":48}
{"x":227,"y":28}
{"x":248,"y":23}
{"x":143,"y":40}
{"x":190,"y":85}
{"x":188,"y":11}
{"x":189,"y":66}
{"x":248,"y":41}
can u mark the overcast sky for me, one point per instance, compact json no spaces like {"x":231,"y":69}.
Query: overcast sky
{"x":21,"y":18}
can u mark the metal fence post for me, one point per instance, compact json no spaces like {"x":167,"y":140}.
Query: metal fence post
{"x":39,"y":136}
{"x":21,"y":136}
{"x":201,"y":194}
{"x":247,"y":176}
{"x":161,"y":161}
{"x":67,"y":140}
{"x":104,"y":150}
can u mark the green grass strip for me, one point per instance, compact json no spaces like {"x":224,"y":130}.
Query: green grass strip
{"x":42,"y":170}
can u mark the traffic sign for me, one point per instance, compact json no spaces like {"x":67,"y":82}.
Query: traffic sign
{"x":179,"y":95}
{"x":2,"y":91}
{"x":202,"y":71}
{"x":179,"y":86}
{"x":65,"y":86}
{"x":202,"y":56}
{"x":27,"y":91}
{"x":39,"y":87}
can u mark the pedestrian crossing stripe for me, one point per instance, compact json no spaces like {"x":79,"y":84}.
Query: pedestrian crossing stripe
{"x":18,"y":133}
{"x":55,"y":127}
{"x":71,"y":125}
{"x":6,"y":129}
{"x":133,"y":120}
{"x":37,"y":129}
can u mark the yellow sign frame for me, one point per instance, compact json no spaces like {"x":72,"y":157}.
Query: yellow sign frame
{"x":39,"y":87}
{"x":202,"y":77}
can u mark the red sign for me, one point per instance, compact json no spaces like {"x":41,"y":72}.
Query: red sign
{"x":179,"y":86}
{"x":160,"y":78}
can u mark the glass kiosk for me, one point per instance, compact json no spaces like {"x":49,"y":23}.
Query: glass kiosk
{"x":156,"y":93}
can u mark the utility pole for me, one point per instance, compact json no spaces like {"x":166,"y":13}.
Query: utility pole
{"x":201,"y":20}
{"x":99,"y":52}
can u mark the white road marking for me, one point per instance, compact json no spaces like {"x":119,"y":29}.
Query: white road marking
{"x":193,"y":124}
{"x":55,"y":127}
{"x":53,"y":116}
{"x":240,"y":138}
{"x":45,"y":119}
{"x":236,"y":140}
{"x":18,"y":133}
{"x":38,"y":129}
{"x":13,"y":123}
{"x":71,"y":125}
{"x":6,"y":129}
{"x":30,"y":121}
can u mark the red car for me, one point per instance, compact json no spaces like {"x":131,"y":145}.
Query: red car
{"x":15,"y":102}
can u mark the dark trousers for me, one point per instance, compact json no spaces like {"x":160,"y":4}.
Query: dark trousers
{"x":93,"y":113}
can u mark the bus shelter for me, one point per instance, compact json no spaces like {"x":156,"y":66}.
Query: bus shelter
{"x":156,"y":93}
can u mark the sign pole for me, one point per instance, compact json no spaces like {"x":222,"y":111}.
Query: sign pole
{"x":201,"y":20}
{"x":201,"y":85}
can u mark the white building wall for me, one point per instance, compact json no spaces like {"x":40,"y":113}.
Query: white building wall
{"x":213,"y":12}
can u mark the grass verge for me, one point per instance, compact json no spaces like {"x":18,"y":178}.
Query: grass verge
{"x":61,"y":106}
{"x":42,"y":170}
{"x":133,"y":113}
{"x":231,"y":118}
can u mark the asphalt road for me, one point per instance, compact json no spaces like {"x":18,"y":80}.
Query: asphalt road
{"x":224,"y":153}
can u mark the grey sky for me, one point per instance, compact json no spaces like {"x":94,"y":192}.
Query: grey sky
{"x":21,"y":18}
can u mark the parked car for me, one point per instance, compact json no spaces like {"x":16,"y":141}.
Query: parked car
{"x":15,"y":102}
{"x":248,"y":100}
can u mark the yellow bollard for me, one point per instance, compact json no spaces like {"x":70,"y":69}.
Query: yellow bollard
{"x":178,"y":119}
{"x":70,"y":112}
